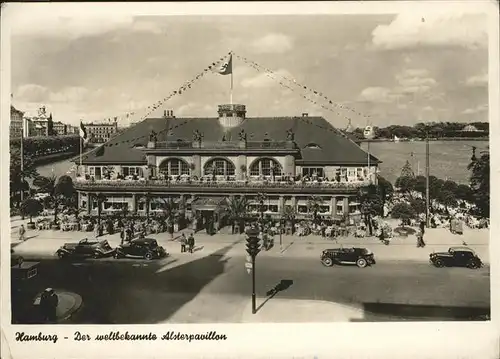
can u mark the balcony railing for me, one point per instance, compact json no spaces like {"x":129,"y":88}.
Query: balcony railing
{"x":223,"y":145}
{"x":192,"y":185}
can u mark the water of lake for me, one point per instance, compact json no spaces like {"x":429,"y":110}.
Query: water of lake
{"x":448,"y":159}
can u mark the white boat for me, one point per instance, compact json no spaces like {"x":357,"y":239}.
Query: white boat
{"x":396,"y":138}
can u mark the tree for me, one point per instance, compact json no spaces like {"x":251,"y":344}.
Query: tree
{"x":480,"y":182}
{"x":237,"y":209}
{"x":403,"y":211}
{"x":464,"y":192}
{"x":147,"y":198}
{"x":100,"y":198}
{"x":314,"y":205}
{"x":406,"y":185}
{"x":17,"y":184}
{"x":451,"y":186}
{"x":418,"y":205}
{"x":385,"y":189}
{"x":49,"y":185}
{"x":372,"y":204}
{"x":261,"y":198}
{"x":447,"y":198}
{"x":289,"y":214}
{"x":169,"y":208}
{"x":31,"y":208}
{"x":407,"y":170}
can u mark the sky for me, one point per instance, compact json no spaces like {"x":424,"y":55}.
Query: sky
{"x":383,"y":69}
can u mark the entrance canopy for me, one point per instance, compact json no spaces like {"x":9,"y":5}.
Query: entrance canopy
{"x":209,"y":204}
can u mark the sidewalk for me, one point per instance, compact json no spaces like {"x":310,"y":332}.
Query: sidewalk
{"x":68,"y":304}
{"x":46,"y":242}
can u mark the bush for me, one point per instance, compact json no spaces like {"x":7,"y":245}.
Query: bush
{"x":31,"y":208}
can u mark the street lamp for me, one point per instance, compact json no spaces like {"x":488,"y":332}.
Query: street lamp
{"x":253,"y":248}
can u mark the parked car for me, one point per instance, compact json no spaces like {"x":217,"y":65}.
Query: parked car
{"x":86,"y":249}
{"x":361,"y":256}
{"x":456,"y":257}
{"x":146,"y":248}
{"x":15,"y":259}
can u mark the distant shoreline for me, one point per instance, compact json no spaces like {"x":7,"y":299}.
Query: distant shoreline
{"x":430,"y":139}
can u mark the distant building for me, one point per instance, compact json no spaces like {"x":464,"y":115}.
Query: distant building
{"x":60,"y":128}
{"x":72,"y":130}
{"x":101,"y":132}
{"x":470,"y":128}
{"x":16,"y":122}
{"x":42,"y":124}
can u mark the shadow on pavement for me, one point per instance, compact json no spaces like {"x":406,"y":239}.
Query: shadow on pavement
{"x":157,"y":295}
{"x":406,"y":312}
{"x":283,"y":285}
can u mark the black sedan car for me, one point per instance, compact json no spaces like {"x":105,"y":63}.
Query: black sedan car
{"x":146,"y":248}
{"x":361,"y":256}
{"x":456,"y":257}
{"x":85,"y":249}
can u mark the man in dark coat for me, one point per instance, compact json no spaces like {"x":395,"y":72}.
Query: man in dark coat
{"x":191,"y":243}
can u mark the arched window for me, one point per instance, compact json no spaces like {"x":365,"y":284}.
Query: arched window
{"x":220,"y":166}
{"x":266,"y":167}
{"x":174,"y":167}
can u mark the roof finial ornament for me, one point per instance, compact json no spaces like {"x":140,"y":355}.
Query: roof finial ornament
{"x":152,"y":136}
{"x":242,"y":135}
{"x":197,"y":136}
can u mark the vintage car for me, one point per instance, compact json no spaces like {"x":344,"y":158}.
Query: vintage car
{"x":86,"y":249}
{"x":361,"y":256}
{"x":146,"y":248}
{"x":456,"y":257}
{"x":15,"y":259}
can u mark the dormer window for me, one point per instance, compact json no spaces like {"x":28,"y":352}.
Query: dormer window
{"x":138,"y":145}
{"x":313,"y":145}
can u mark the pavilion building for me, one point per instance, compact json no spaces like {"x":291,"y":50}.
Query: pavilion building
{"x":200,"y":162}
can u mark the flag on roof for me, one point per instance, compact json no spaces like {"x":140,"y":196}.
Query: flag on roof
{"x":83,"y":131}
{"x":226,"y":67}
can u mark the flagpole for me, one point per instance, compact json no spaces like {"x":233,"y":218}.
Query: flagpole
{"x":231,"y":92}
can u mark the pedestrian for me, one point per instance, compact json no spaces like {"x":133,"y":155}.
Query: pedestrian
{"x":420,"y":240}
{"x":183,"y":243}
{"x":122,"y":235}
{"x":422,"y":227}
{"x":22,"y":232}
{"x":191,"y":243}
{"x":96,"y":230}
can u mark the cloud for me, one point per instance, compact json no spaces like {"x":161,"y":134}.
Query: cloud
{"x":37,"y":93}
{"x":273,"y":43}
{"x":263,"y":80}
{"x":376,"y":94}
{"x":478,"y":109}
{"x":438,"y":28}
{"x":414,"y":81}
{"x":44,"y":22}
{"x":477,"y":81}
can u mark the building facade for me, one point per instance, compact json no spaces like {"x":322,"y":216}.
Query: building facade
{"x":60,"y":128}
{"x":200,"y":162}
{"x":101,"y":132}
{"x":42,"y":123}
{"x":16,"y":122}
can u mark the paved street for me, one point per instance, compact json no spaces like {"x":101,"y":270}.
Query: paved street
{"x":217,"y":288}
{"x":212,"y":285}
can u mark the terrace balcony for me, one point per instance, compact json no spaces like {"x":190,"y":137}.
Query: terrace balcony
{"x":205,"y":185}
{"x":224,"y":146}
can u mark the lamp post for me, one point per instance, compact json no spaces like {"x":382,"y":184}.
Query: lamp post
{"x":253,"y":248}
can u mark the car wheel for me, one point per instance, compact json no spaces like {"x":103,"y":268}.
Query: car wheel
{"x":361,"y":263}
{"x":327,"y":262}
{"x":148,"y":256}
{"x":472,"y":264}
{"x":96,"y":255}
{"x":61,"y":255}
{"x":439,"y":263}
{"x":117,"y":255}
